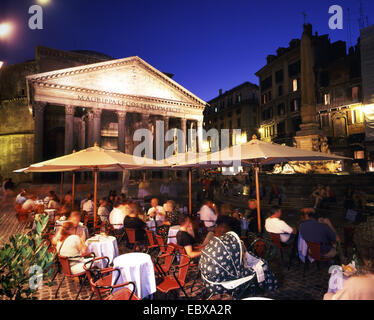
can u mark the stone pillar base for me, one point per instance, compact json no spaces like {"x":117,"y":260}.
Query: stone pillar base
{"x":308,"y":137}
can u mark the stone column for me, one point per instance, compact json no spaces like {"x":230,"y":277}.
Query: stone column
{"x":184,"y":130}
{"x":97,"y":126}
{"x":82,"y":132}
{"x":90,"y":135}
{"x":121,"y":130}
{"x":39,"y":108}
{"x":69,"y":129}
{"x":146,"y":124}
{"x":309,"y":129}
{"x":200,"y":135}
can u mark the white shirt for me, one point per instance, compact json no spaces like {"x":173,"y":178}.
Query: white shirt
{"x":116,"y":218}
{"x":159,"y":210}
{"x":103,"y":211}
{"x":206,"y":214}
{"x":275,"y":225}
{"x":88,"y":206}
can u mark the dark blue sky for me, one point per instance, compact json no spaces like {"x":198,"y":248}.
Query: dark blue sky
{"x":207,"y":44}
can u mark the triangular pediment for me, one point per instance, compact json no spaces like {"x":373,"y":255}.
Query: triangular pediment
{"x":129,"y":76}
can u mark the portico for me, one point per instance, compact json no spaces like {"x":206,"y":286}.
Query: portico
{"x":114,"y":99}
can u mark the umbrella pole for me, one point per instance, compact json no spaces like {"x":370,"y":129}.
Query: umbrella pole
{"x":95,"y":196}
{"x":61,"y":187}
{"x":258,"y":199}
{"x":73,"y":192}
{"x":189,"y":190}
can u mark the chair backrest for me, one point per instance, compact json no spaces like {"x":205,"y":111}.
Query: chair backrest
{"x":151,"y":240}
{"x":161,"y":243}
{"x":183,"y":266}
{"x":275,"y":237}
{"x":130,"y":235}
{"x":314,"y":250}
{"x":258,"y":246}
{"x":65,"y":265}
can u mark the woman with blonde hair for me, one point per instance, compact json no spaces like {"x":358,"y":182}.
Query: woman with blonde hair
{"x":72,"y":246}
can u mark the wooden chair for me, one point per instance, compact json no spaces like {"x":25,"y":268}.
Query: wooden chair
{"x":66,"y":271}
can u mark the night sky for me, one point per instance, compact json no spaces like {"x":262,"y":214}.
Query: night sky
{"x":207,"y":44}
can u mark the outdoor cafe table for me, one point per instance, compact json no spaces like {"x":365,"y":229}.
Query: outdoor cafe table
{"x":172,"y":235}
{"x":137,"y":267}
{"x":103,"y":246}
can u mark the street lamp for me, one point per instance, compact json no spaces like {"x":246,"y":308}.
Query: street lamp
{"x":5,"y":29}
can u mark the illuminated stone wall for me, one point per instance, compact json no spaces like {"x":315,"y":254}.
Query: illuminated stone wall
{"x":16,"y":138}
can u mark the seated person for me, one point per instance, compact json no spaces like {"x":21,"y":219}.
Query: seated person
{"x":132,"y":221}
{"x":21,"y":197}
{"x":314,"y":231}
{"x":318,"y":194}
{"x":103,"y":211}
{"x":184,"y":237}
{"x":172,"y":215}
{"x":359,"y":286}
{"x":53,"y":203}
{"x":71,"y":245}
{"x":88,"y":205}
{"x":274,"y":224}
{"x":224,"y":224}
{"x":30,"y":204}
{"x":48,"y":198}
{"x":68,"y":199}
{"x":116,"y":217}
{"x":208,"y":214}
{"x":78,"y":228}
{"x":321,"y":217}
{"x":156,"y":212}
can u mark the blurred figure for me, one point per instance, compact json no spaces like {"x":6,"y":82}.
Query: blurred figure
{"x":21,"y":197}
{"x":103,"y":211}
{"x":208,"y":214}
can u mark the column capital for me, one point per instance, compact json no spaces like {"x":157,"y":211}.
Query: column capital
{"x":69,"y":110}
{"x":97,"y":113}
{"x":121,"y":115}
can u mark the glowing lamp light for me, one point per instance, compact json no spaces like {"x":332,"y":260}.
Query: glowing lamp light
{"x":1,"y":64}
{"x":206,"y":146}
{"x":42,"y":2}
{"x":5,"y":29}
{"x":261,"y":130}
{"x":243,"y":138}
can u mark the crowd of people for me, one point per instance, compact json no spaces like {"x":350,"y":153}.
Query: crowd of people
{"x":198,"y":234}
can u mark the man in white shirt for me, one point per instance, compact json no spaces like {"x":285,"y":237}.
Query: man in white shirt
{"x":208,"y":214}
{"x":116,"y":217}
{"x":103,"y":212}
{"x":156,"y":212}
{"x":88,"y":206}
{"x":274,"y":224}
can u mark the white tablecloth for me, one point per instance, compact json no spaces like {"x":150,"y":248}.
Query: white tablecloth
{"x":172,"y":235}
{"x":137,"y":267}
{"x":105,"y":247}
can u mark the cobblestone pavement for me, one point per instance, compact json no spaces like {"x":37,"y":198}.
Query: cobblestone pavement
{"x":293,"y":286}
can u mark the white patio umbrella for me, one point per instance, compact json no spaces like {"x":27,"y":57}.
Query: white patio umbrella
{"x":93,"y":159}
{"x":257,"y":153}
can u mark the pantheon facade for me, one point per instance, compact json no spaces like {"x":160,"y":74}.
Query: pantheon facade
{"x":105,"y":103}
